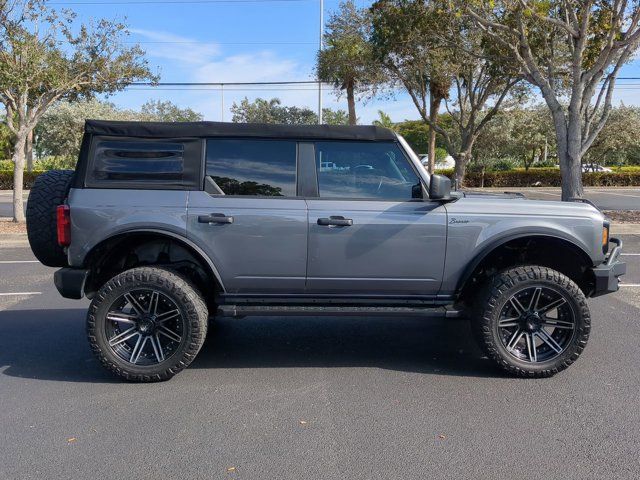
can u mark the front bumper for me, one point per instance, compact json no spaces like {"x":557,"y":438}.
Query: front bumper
{"x":70,"y":282}
{"x":607,"y":275}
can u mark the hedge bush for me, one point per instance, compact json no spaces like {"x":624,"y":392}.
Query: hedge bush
{"x":6,"y":179}
{"x":545,"y":177}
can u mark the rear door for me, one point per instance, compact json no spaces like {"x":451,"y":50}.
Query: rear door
{"x":250,"y":219}
{"x":367,"y":234}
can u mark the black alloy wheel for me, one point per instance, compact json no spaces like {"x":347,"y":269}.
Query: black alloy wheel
{"x":147,"y":324}
{"x":532,"y":321}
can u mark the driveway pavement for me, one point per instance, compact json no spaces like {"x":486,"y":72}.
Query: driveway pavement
{"x":310,"y":398}
{"x":6,"y":203}
{"x":614,"y":198}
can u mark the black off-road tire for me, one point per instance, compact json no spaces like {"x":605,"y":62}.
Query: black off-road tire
{"x":494,"y":295}
{"x":182,"y":293}
{"x":49,"y":190}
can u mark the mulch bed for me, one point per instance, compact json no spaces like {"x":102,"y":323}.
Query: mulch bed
{"x":623,"y":216}
{"x":8,"y":226}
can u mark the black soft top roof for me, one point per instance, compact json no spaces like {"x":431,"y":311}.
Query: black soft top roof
{"x":220,"y":129}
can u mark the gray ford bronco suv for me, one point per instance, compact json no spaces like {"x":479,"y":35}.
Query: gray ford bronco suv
{"x":165,"y":225}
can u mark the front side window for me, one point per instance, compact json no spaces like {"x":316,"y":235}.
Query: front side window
{"x":376,"y":171}
{"x":253,"y":167}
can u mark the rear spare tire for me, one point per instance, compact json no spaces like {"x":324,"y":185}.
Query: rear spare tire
{"x":49,"y":190}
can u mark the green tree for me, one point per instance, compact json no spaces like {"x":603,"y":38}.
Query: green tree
{"x":407,"y":39}
{"x":619,"y":141}
{"x":166,"y":111}
{"x":572,"y":51}
{"x":416,"y":133}
{"x":5,"y":141}
{"x":347,"y":60}
{"x":522,"y":135}
{"x":59,"y":131}
{"x":421,"y":44}
{"x":335,"y":117}
{"x":384,"y":120}
{"x":37,"y":69}
{"x":272,"y":111}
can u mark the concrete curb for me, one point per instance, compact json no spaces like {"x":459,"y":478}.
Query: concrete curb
{"x":13,"y":240}
{"x":625,"y":229}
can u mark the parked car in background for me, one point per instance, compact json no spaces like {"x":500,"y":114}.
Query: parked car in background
{"x":592,"y":167}
{"x":164,"y":225}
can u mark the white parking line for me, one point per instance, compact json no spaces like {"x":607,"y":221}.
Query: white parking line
{"x":18,"y":261}
{"x":630,"y":254}
{"x":630,"y":285}
{"x":17,"y":294}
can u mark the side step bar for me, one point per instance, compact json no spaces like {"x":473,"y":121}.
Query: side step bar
{"x":335,"y":310}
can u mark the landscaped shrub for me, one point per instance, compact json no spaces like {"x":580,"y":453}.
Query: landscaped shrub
{"x":545,"y":177}
{"x":542,"y":177}
{"x":6,"y":179}
{"x":503,"y":165}
{"x":56,"y":163}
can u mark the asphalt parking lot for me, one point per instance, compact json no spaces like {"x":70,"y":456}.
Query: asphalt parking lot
{"x":298,"y":398}
{"x":606,"y":198}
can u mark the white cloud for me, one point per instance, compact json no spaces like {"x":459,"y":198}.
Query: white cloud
{"x":176,"y":48}
{"x":206,"y":62}
{"x":262,"y":66}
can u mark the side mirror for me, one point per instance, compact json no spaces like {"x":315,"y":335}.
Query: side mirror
{"x":439,"y":187}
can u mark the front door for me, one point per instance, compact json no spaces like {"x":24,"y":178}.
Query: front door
{"x":249,"y":219}
{"x":367,"y":235}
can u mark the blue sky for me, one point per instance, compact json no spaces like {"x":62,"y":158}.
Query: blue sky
{"x":242,"y":41}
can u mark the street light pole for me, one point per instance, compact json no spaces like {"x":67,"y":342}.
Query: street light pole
{"x":319,"y":82}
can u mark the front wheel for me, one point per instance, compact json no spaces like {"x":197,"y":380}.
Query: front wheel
{"x":147,"y":324}
{"x":532,"y":321}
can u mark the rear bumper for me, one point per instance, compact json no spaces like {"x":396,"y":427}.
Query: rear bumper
{"x":70,"y":282}
{"x":607,"y":275}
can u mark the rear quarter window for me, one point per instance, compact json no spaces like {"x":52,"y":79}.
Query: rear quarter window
{"x":145,"y":163}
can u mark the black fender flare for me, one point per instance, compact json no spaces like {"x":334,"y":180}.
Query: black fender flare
{"x":166,"y":233}
{"x":490,"y":247}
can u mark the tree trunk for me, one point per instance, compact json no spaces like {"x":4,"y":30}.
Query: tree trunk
{"x":571,"y":171}
{"x":461,"y":159}
{"x":351,"y":103}
{"x":18,"y":175}
{"x":29,"y":151}
{"x":569,"y":147}
{"x":434,"y":107}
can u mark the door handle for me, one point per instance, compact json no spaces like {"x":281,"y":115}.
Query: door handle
{"x":215,"y":218}
{"x":335,"y":221}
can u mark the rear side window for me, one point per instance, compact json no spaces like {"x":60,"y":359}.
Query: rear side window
{"x":364,"y":170}
{"x":145,"y":163}
{"x":253,"y":167}
{"x":139,"y":160}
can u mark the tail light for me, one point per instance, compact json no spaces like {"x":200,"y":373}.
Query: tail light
{"x":63,"y":215}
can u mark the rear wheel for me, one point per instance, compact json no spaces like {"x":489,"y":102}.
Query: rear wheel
{"x":147,"y":324}
{"x":532,"y":321}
